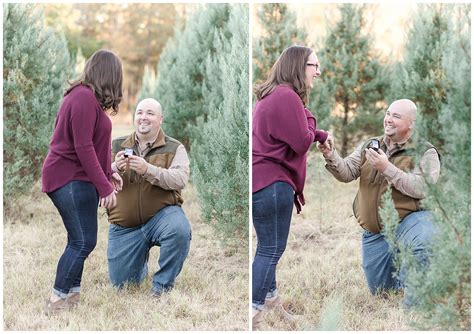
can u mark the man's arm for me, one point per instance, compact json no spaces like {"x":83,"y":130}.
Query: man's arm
{"x":413,"y":184}
{"x":173,"y":178}
{"x":344,"y":169}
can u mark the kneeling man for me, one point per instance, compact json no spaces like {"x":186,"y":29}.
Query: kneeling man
{"x":154,"y":169}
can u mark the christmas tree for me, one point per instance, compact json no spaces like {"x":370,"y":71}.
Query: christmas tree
{"x":221,"y":160}
{"x":442,"y":289}
{"x":35,"y":66}
{"x":348,"y":98}
{"x":280,"y":31}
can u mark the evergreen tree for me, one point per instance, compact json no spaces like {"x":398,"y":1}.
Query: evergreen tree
{"x":349,"y":95}
{"x":181,"y":72}
{"x":420,"y":77}
{"x":221,"y":157}
{"x":443,"y":289}
{"x":331,"y":314}
{"x":35,"y":66}
{"x":279,"y":32}
{"x":202,"y":84}
{"x":148,"y":85}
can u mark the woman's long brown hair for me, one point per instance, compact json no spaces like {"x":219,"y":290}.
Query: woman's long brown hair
{"x":103,"y":74}
{"x":290,"y":69}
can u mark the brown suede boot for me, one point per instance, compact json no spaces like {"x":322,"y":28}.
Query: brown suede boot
{"x":56,"y":307}
{"x":73,"y":298}
{"x":257,"y":318}
{"x":276,"y":304}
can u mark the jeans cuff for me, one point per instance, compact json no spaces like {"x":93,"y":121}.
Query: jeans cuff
{"x":60,"y":294}
{"x":75,"y":289}
{"x":256,"y":306}
{"x":271,"y":294}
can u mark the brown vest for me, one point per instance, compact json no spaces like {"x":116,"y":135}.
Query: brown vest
{"x":373,"y":185}
{"x":139,"y":200}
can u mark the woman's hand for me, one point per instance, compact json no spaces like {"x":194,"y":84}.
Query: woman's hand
{"x":109,"y":201}
{"x":117,"y":181}
{"x":327,"y":147}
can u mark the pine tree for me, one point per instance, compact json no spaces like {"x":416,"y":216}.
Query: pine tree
{"x":202,"y":84}
{"x":148,"y":85}
{"x":443,"y":289}
{"x":348,"y":97}
{"x":35,"y":66}
{"x":221,"y":158}
{"x":419,"y":77}
{"x":279,"y":32}
{"x":181,"y":72}
{"x":331,"y":314}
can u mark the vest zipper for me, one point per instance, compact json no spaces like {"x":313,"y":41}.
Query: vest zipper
{"x":140,"y":218}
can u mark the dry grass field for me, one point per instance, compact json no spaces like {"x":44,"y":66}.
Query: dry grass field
{"x":211,"y":292}
{"x":320,"y":275}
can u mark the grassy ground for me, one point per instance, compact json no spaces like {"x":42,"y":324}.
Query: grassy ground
{"x":320,"y":276}
{"x":211,"y":292}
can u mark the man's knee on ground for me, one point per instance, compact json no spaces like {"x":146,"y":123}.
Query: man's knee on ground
{"x":119,"y":280}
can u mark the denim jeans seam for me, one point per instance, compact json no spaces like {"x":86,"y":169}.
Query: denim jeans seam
{"x":80,"y":226}
{"x":74,"y":205}
{"x":276,"y":232}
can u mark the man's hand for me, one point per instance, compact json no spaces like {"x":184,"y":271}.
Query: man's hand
{"x":327,"y":147}
{"x":117,"y":181}
{"x":138,"y":164}
{"x":377,"y":159}
{"x":120,"y":161}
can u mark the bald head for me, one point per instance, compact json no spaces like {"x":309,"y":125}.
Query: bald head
{"x":148,"y":119}
{"x":149,"y":104}
{"x":399,"y":121}
{"x":405,"y":107}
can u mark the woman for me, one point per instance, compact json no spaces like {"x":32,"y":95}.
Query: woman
{"x":282,"y":133}
{"x":77,"y":171}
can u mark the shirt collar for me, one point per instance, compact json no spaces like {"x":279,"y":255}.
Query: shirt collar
{"x":391,"y":145}
{"x":149,"y":144}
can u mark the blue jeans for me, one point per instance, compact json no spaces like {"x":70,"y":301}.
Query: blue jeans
{"x":415,"y":231}
{"x":272,"y":208}
{"x":129,"y":249}
{"x":77,"y":204}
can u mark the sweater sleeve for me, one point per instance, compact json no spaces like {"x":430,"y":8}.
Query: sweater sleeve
{"x":319,"y":135}
{"x":83,"y":120}
{"x":291,"y":124}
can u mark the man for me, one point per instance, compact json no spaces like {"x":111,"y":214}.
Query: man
{"x":148,"y":211}
{"x":391,"y":165}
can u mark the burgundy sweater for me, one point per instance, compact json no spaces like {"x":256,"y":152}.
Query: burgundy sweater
{"x":80,"y":147}
{"x":282,"y":133}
